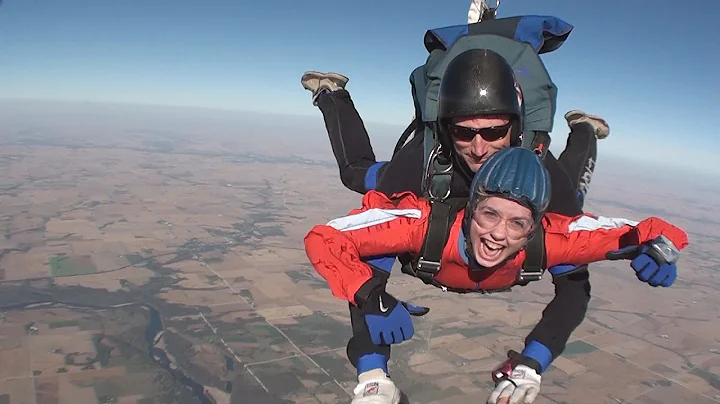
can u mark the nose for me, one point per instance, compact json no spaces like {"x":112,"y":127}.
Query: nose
{"x":479,"y":146}
{"x":499,"y":232}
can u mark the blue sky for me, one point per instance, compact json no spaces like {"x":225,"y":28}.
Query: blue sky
{"x":641,"y":64}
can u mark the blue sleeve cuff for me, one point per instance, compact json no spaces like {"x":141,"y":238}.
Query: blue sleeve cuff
{"x":382,"y":263}
{"x":371,"y":176}
{"x":373,"y":361}
{"x":561,"y":269}
{"x":540,"y":353}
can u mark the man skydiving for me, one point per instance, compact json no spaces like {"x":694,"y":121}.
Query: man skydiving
{"x":479,"y":113}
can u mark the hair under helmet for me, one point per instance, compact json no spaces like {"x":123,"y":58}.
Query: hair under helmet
{"x":517,"y":174}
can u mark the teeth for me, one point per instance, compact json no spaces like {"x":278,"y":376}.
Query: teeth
{"x":490,"y":251}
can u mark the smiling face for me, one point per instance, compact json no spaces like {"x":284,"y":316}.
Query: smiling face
{"x":499,"y":228}
{"x":476,"y":139}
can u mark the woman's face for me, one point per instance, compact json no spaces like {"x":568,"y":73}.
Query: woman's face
{"x":499,"y":228}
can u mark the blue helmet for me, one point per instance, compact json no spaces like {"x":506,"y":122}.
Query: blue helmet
{"x":517,"y":174}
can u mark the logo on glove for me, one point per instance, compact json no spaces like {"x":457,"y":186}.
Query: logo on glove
{"x":383,"y":309}
{"x":371,"y":389}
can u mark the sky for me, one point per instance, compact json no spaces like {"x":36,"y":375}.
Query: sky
{"x":647,"y":66}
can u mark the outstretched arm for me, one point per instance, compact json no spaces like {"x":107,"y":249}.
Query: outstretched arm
{"x":579,"y":241}
{"x":520,"y":375}
{"x":383,"y":226}
{"x":559,"y":320}
{"x":585,"y":239}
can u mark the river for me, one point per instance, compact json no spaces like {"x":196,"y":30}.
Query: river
{"x":160,"y":357}
{"x":153,"y":329}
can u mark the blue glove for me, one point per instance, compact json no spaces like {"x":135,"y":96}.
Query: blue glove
{"x":388,"y":319}
{"x":654,"y":273}
{"x":649,"y":267}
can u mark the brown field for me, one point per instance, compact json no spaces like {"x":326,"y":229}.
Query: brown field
{"x":210,"y":236}
{"x":20,"y":390}
{"x":32,"y":264}
{"x":14,"y":363}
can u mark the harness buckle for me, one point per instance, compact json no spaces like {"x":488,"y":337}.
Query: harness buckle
{"x":529,"y":276}
{"x":426,"y":270}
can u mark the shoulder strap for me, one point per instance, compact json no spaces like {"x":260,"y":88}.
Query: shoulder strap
{"x":414,"y":126}
{"x":535,"y":255}
{"x":428,"y":263}
{"x":535,"y":259}
{"x":537,"y":141}
{"x":442,"y":214}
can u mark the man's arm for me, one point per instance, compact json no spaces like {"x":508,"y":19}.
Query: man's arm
{"x":579,"y":241}
{"x":383,"y":226}
{"x":567,"y":309}
{"x":560,"y":318}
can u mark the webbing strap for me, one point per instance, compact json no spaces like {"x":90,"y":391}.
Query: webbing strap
{"x":535,"y":259}
{"x":540,"y":144}
{"x":428,"y":263}
{"x":414,"y":126}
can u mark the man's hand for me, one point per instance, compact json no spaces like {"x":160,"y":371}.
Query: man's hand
{"x":388,"y":319}
{"x":514,"y":384}
{"x":653,"y":261}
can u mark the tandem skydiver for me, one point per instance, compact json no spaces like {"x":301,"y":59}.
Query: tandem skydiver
{"x":484,"y":254}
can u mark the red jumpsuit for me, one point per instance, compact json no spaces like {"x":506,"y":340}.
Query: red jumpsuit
{"x":391,"y":226}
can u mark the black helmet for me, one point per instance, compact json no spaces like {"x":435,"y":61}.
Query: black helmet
{"x":478,"y":82}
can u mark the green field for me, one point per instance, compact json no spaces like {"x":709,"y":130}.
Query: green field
{"x":62,"y":324}
{"x":579,"y":348}
{"x":63,"y":265}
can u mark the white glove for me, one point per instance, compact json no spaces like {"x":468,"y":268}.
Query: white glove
{"x":520,"y":386}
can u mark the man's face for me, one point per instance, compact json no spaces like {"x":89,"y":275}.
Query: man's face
{"x":499,"y":228}
{"x":475,"y":145}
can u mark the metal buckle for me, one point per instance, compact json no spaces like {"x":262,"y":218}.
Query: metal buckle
{"x":431,"y":171}
{"x":529,"y":276}
{"x":426,"y":266}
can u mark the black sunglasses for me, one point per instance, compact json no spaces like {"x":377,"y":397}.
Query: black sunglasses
{"x":488,"y":134}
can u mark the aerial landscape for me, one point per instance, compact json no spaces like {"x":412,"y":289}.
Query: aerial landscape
{"x":155,"y":255}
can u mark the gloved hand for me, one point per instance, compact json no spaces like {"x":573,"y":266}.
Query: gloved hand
{"x":653,"y":261}
{"x":388,"y":319}
{"x":515,"y":383}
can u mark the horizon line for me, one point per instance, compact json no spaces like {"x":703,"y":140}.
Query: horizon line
{"x":185,"y":106}
{"x":146,"y":104}
{"x":230,"y":110}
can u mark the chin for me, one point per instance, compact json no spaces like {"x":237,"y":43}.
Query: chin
{"x":489,"y":264}
{"x":474,"y":167}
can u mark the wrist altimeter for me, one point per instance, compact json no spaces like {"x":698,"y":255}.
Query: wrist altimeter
{"x":661,"y":249}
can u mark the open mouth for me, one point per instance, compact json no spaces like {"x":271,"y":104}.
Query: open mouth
{"x":490,"y":251}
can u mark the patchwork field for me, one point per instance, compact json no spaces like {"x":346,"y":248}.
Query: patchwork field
{"x":157,"y":267}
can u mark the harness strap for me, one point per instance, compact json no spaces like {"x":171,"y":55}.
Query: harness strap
{"x":414,"y":126}
{"x":535,"y":255}
{"x":535,"y":259}
{"x":428,"y":263}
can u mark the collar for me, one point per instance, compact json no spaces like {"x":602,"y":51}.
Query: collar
{"x":462,"y":246}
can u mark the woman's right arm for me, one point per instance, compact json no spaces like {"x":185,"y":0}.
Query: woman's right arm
{"x":383,"y":226}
